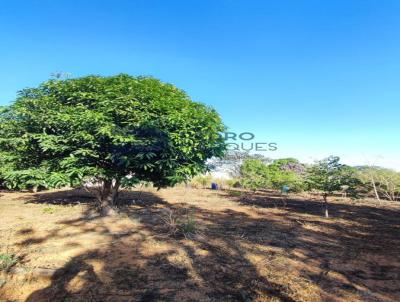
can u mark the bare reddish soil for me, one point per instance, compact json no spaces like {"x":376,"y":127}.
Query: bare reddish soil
{"x":198,"y":245}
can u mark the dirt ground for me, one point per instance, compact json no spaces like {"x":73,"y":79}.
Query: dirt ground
{"x":185,"y":244}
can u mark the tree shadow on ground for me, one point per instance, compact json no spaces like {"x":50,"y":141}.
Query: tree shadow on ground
{"x":152,"y":264}
{"x":351,"y":210}
{"x":80,"y":196}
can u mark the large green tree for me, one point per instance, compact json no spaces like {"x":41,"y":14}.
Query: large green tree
{"x":107,"y":131}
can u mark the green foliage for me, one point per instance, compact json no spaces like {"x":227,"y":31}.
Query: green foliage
{"x":189,"y":225}
{"x":286,"y":172}
{"x":351,"y":184}
{"x":49,"y":210}
{"x":34,"y":178}
{"x":329,"y":175}
{"x":233,"y":183}
{"x":7,"y":260}
{"x":254,"y":174}
{"x":284,"y":161}
{"x":234,"y":193}
{"x":66,"y":132}
{"x":3,"y":170}
{"x":286,"y":178}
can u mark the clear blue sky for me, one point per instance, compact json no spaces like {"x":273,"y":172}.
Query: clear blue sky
{"x":316,"y":77}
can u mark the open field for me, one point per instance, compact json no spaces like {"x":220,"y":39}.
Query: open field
{"x":198,"y":245}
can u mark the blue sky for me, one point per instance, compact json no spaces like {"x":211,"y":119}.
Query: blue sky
{"x":316,"y":77}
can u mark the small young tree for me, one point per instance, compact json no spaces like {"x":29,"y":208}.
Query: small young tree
{"x":107,"y":131}
{"x":328,"y":176}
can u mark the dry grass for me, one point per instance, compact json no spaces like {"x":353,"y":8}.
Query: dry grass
{"x":198,"y":245}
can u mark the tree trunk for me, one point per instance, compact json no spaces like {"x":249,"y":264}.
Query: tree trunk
{"x":108,"y":197}
{"x":375,"y":190}
{"x":326,"y":205}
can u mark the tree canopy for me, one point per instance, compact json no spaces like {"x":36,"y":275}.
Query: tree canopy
{"x":329,"y":175}
{"x":111,"y":130}
{"x":256,"y":174}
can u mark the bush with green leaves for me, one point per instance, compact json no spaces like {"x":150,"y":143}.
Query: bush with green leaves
{"x":109,"y":131}
{"x":286,"y":178}
{"x":286,"y":172}
{"x":7,"y":261}
{"x":254,"y":174}
{"x":233,"y":183}
{"x":188,"y":226}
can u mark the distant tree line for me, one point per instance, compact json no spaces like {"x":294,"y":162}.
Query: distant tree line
{"x":326,"y":177}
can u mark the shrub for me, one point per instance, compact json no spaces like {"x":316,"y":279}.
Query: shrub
{"x":233,"y":183}
{"x":254,"y":174}
{"x":286,"y":178}
{"x":234,"y":193}
{"x":177,"y":226}
{"x":7,"y":260}
{"x":287,"y":172}
{"x":188,"y":226}
{"x":49,"y":210}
